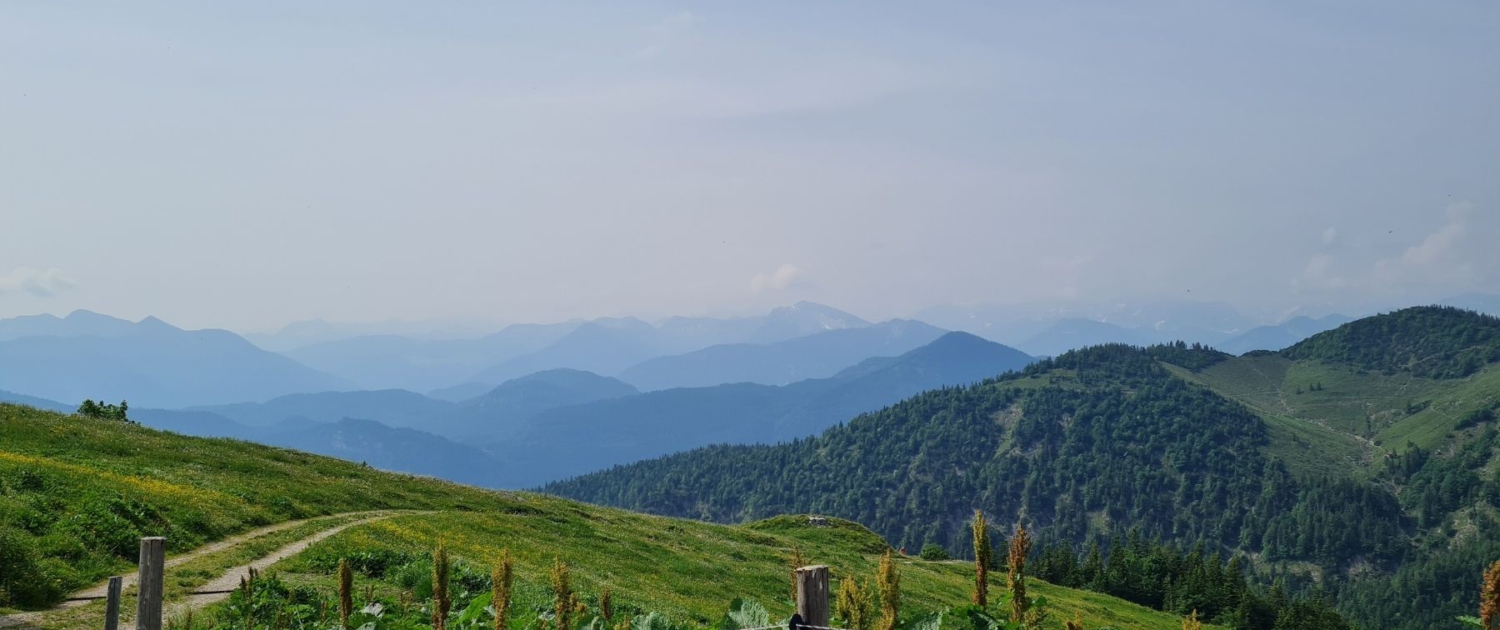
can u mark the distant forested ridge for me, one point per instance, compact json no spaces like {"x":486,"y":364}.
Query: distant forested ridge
{"x":1427,"y":341}
{"x":1085,"y":444}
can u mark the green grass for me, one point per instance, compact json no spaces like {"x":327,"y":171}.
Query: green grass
{"x":57,"y":472}
{"x":1332,"y":419}
{"x":76,"y":494}
{"x":687,"y":570}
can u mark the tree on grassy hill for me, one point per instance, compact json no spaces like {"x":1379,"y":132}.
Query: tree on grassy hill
{"x":101,"y":411}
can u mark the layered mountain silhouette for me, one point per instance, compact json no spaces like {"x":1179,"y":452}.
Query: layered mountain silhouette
{"x":814,"y":356}
{"x":150,"y":363}
{"x":570,"y":440}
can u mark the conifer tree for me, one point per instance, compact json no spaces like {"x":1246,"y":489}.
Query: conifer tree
{"x":440,"y":600}
{"x":501,"y":579}
{"x":888,"y":581}
{"x":982,"y":558}
{"x":606,"y":605}
{"x":1092,"y":576}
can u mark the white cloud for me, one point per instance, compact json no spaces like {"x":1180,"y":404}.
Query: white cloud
{"x":38,"y":282}
{"x":783,"y":278}
{"x":1445,"y":259}
{"x":1440,"y":259}
{"x":1319,"y":273}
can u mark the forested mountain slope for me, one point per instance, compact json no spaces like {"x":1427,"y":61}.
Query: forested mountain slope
{"x":1362,"y":458}
{"x":1088,"y":443}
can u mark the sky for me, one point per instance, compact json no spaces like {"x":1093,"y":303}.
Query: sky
{"x":246,"y":165}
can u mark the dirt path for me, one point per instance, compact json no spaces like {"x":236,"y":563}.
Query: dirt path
{"x":225,"y":582}
{"x":217,"y":590}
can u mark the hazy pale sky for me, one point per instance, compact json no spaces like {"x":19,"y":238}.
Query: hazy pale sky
{"x":245,"y":164}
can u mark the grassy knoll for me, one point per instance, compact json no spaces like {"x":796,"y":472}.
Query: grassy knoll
{"x":76,"y":494}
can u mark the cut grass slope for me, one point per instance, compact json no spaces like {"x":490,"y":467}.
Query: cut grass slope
{"x":75,"y":493}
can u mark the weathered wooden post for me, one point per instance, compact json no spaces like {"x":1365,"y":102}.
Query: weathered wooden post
{"x":812,"y":595}
{"x":112,"y":604}
{"x":149,"y":586}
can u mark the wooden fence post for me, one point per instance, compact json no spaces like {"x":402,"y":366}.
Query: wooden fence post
{"x":112,"y":604}
{"x":812,"y":595}
{"x":149,"y":586}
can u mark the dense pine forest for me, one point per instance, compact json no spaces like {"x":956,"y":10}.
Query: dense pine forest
{"x":1099,"y":442}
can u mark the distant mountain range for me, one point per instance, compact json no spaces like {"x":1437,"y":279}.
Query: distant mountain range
{"x":560,"y":423}
{"x":814,"y":356}
{"x":149,"y":363}
{"x":457,"y":369}
{"x":570,"y":440}
{"x":1281,"y":335}
{"x":381,"y":446}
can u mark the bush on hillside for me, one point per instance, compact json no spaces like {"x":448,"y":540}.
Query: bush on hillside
{"x":934,"y":551}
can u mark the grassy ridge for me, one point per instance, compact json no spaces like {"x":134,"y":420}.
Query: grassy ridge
{"x":76,"y":494}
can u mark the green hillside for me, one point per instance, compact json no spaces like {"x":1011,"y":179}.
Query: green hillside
{"x":75,"y":493}
{"x":1426,"y":341}
{"x":1360,"y":462}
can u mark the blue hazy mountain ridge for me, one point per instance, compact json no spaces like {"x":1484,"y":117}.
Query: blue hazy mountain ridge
{"x":814,"y":356}
{"x":150,"y":363}
{"x":501,"y":409}
{"x":393,"y":407}
{"x":1281,"y":336}
{"x":392,"y":361}
{"x":1067,"y":334}
{"x":33,"y":401}
{"x":609,"y":346}
{"x":510,"y":406}
{"x":387,"y":448}
{"x":1161,"y":319}
{"x":567,"y":441}
{"x":79,"y":323}
{"x":454,"y":369}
